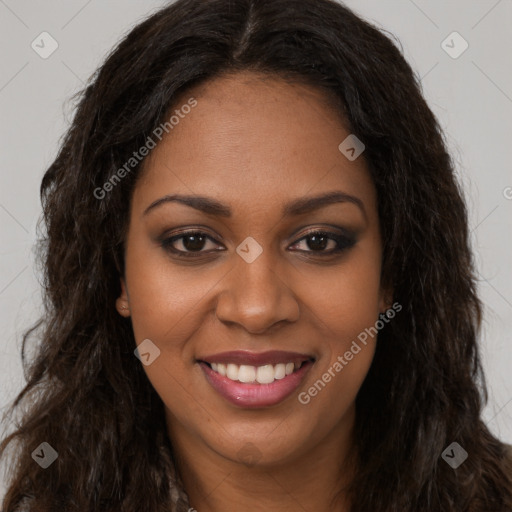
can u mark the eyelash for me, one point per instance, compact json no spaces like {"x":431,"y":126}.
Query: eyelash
{"x":342,"y":243}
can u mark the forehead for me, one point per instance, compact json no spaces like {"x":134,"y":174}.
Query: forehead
{"x":253,"y":139}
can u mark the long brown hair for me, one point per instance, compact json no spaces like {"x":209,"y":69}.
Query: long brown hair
{"x":87,"y":395}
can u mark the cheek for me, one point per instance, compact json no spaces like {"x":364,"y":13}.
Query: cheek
{"x":165,"y":302}
{"x":349,"y":349}
{"x":167,"y":306}
{"x":347,"y":298}
{"x":346,"y":305}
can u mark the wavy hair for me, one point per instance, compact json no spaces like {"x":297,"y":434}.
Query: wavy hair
{"x":88,"y":396}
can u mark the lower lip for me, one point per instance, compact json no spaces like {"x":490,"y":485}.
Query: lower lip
{"x":255,"y":395}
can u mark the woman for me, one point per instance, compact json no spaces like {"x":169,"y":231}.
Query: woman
{"x":260,"y":292}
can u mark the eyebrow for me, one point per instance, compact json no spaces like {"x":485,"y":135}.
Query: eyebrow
{"x":296,"y":207}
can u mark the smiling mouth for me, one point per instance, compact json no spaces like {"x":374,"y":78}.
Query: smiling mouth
{"x":252,"y":380}
{"x":248,"y":374}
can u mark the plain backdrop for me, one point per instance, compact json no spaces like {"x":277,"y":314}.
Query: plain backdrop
{"x":471,"y":95}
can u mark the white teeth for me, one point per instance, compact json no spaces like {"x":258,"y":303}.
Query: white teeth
{"x":246,"y":373}
{"x":232,"y":371}
{"x":262,"y":374}
{"x":265,"y":374}
{"x":280,"y":371}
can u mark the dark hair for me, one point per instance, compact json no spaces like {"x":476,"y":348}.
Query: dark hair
{"x":89,"y":397}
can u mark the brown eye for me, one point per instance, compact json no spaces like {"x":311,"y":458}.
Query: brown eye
{"x":324,"y":243}
{"x":318,"y":242}
{"x":189,"y":244}
{"x":194,"y":242}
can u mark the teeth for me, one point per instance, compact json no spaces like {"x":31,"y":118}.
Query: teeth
{"x":246,"y":373}
{"x":232,"y":371}
{"x":265,"y":374}
{"x":262,"y":374}
{"x":279,"y":371}
{"x":219,"y":368}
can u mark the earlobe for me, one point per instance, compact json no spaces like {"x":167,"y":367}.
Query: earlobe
{"x":122,"y":302}
{"x":386,"y":299}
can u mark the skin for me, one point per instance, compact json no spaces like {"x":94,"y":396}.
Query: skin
{"x":255,"y":143}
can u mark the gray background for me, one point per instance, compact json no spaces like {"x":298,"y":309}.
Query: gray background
{"x":471,"y":95}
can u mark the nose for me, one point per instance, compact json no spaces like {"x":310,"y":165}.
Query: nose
{"x":255,"y":297}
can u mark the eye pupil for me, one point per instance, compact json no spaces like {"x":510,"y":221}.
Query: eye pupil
{"x":317,"y":242}
{"x":193,"y":242}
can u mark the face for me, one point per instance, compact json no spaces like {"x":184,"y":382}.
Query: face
{"x":253,"y":262}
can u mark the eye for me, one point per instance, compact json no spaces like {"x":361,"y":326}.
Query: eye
{"x":190,"y":243}
{"x":324,"y":243}
{"x":195,"y":243}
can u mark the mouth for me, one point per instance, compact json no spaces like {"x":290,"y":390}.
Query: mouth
{"x":255,"y":380}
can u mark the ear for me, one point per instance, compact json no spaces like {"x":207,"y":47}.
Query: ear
{"x":385,"y":299}
{"x":122,"y":302}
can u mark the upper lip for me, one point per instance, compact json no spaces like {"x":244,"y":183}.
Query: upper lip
{"x":242,"y":357}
